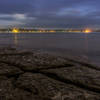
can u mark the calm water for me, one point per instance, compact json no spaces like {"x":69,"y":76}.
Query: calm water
{"x":76,"y":44}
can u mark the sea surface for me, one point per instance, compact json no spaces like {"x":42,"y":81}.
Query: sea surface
{"x":74,"y":44}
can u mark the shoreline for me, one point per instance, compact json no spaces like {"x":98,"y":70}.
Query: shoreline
{"x":33,"y":75}
{"x":82,"y":45}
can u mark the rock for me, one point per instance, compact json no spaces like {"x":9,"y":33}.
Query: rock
{"x":8,"y":91}
{"x":39,"y":76}
{"x":36,"y":62}
{"x":78,"y":75}
{"x":9,"y":70}
{"x":44,"y":86}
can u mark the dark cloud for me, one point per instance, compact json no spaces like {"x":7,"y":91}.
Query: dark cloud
{"x":15,"y":6}
{"x":50,"y":13}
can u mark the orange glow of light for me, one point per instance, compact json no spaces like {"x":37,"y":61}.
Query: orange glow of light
{"x":52,"y":31}
{"x":88,"y":31}
{"x":15,"y":30}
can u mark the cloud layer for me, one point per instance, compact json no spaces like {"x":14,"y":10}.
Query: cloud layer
{"x":50,"y":13}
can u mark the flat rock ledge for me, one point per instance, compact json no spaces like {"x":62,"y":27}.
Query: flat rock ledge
{"x":39,"y":76}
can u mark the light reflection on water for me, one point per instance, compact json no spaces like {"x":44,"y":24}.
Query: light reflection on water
{"x":84,"y":45}
{"x":15,"y":40}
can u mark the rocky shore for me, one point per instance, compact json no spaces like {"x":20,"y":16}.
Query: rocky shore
{"x":39,"y":76}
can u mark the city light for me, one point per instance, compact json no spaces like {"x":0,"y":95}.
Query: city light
{"x":34,"y":30}
{"x":14,"y":30}
{"x":88,"y":31}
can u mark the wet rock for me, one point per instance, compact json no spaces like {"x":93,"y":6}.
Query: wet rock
{"x":8,"y":91}
{"x":46,"y":87}
{"x":9,"y":70}
{"x":78,"y":75}
{"x":34,"y":62}
{"x":39,"y":76}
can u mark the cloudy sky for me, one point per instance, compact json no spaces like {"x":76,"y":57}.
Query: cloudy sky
{"x":50,"y":13}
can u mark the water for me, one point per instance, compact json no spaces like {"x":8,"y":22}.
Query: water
{"x":75,"y":44}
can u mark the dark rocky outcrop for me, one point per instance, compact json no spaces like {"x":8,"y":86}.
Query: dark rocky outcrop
{"x":38,"y":76}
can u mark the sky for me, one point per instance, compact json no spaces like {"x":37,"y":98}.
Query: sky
{"x":50,"y":13}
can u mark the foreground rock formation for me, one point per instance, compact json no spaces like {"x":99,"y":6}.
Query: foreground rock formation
{"x":37,"y":76}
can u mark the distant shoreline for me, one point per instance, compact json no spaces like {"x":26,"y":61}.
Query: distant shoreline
{"x":45,"y":32}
